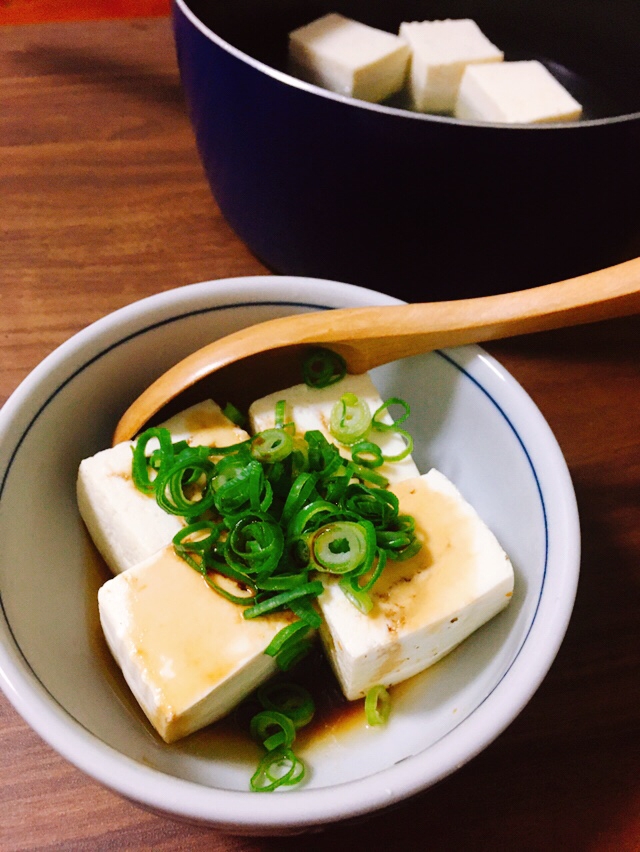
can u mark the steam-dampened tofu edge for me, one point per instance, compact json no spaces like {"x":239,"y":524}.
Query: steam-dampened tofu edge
{"x":440,"y":52}
{"x":126,"y":525}
{"x":423,"y":607}
{"x":514,"y":93}
{"x":186,"y":652}
{"x":310,"y":408}
{"x":349,"y":58}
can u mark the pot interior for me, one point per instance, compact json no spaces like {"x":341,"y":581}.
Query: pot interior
{"x":591,"y":46}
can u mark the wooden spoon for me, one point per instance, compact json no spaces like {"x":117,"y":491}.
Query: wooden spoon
{"x":369,"y":337}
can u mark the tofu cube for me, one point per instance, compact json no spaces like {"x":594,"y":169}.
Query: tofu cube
{"x":515,"y":93}
{"x":126,"y":525}
{"x":425,"y":606}
{"x":349,"y":58}
{"x":440,"y":52}
{"x":310,"y":408}
{"x":186,"y":652}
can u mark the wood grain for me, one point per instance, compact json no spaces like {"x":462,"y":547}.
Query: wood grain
{"x":103,"y":201}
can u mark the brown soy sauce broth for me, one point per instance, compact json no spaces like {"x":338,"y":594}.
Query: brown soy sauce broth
{"x":228,"y":738}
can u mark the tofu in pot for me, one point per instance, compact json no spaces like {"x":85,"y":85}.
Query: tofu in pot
{"x":514,"y":93}
{"x":440,"y":52}
{"x":126,"y":525}
{"x":310,"y":408}
{"x":349,"y":58}
{"x":425,"y":606}
{"x":187,"y":653}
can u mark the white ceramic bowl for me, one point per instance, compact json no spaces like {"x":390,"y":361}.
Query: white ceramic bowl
{"x":469,"y":418}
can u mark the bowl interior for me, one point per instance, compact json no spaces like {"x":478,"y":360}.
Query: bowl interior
{"x":469,"y":419}
{"x":589,"y":45}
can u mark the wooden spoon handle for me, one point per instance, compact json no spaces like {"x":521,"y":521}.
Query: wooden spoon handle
{"x":369,"y":337}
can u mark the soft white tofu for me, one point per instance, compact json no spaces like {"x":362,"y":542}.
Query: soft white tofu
{"x":515,"y":93}
{"x":126,"y":525}
{"x":310,"y":408}
{"x":440,"y":52}
{"x":186,"y":652}
{"x":349,"y":58}
{"x":423,"y":607}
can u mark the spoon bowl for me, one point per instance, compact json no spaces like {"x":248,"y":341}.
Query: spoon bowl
{"x":370,"y":337}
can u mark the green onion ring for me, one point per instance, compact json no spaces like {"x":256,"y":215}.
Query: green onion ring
{"x":234,"y":415}
{"x":301,"y":489}
{"x":261,"y":724}
{"x":272,"y":771}
{"x":289,"y":698}
{"x":323,"y":367}
{"x":402,"y":433}
{"x":313,"y":589}
{"x":281,"y":407}
{"x":377,"y":705}
{"x":343,"y":546}
{"x":350,"y":419}
{"x":360,"y":599}
{"x":140,"y":465}
{"x":271,"y":445}
{"x":284,"y":635}
{"x":292,"y":652}
{"x":377,"y":424}
{"x":173,"y":483}
{"x":367,"y":454}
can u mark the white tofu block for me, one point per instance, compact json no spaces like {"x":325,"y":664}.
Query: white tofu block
{"x":425,"y":606}
{"x":126,"y":525}
{"x":187,"y":653}
{"x":349,"y":58}
{"x":310,"y":408}
{"x":515,"y":93}
{"x":440,"y":52}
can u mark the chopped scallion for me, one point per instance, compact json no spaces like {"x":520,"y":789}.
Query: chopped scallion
{"x":377,"y":705}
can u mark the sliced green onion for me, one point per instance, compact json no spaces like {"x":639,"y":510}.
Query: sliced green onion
{"x":322,"y":368}
{"x":284,"y":635}
{"x":282,"y":582}
{"x":402,"y":433}
{"x":288,"y":698}
{"x":281,"y":407}
{"x":254,"y":544}
{"x":360,"y":599}
{"x":377,"y":705}
{"x":342,"y":547}
{"x":310,"y":517}
{"x":196,"y":538}
{"x":271,"y":445}
{"x":350,"y":419}
{"x":378,"y":424}
{"x":234,"y":415}
{"x":140,"y":466}
{"x":277,"y":768}
{"x":292,"y":653}
{"x":301,"y":490}
{"x":304,"y":609}
{"x":372,"y":476}
{"x":314,"y":588}
{"x":183,"y":487}
{"x":262,"y":725}
{"x":367,"y":453}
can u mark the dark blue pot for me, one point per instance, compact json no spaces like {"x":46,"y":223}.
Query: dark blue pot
{"x":421,"y":207}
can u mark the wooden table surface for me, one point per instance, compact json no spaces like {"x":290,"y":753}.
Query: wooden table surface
{"x":103,"y":201}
